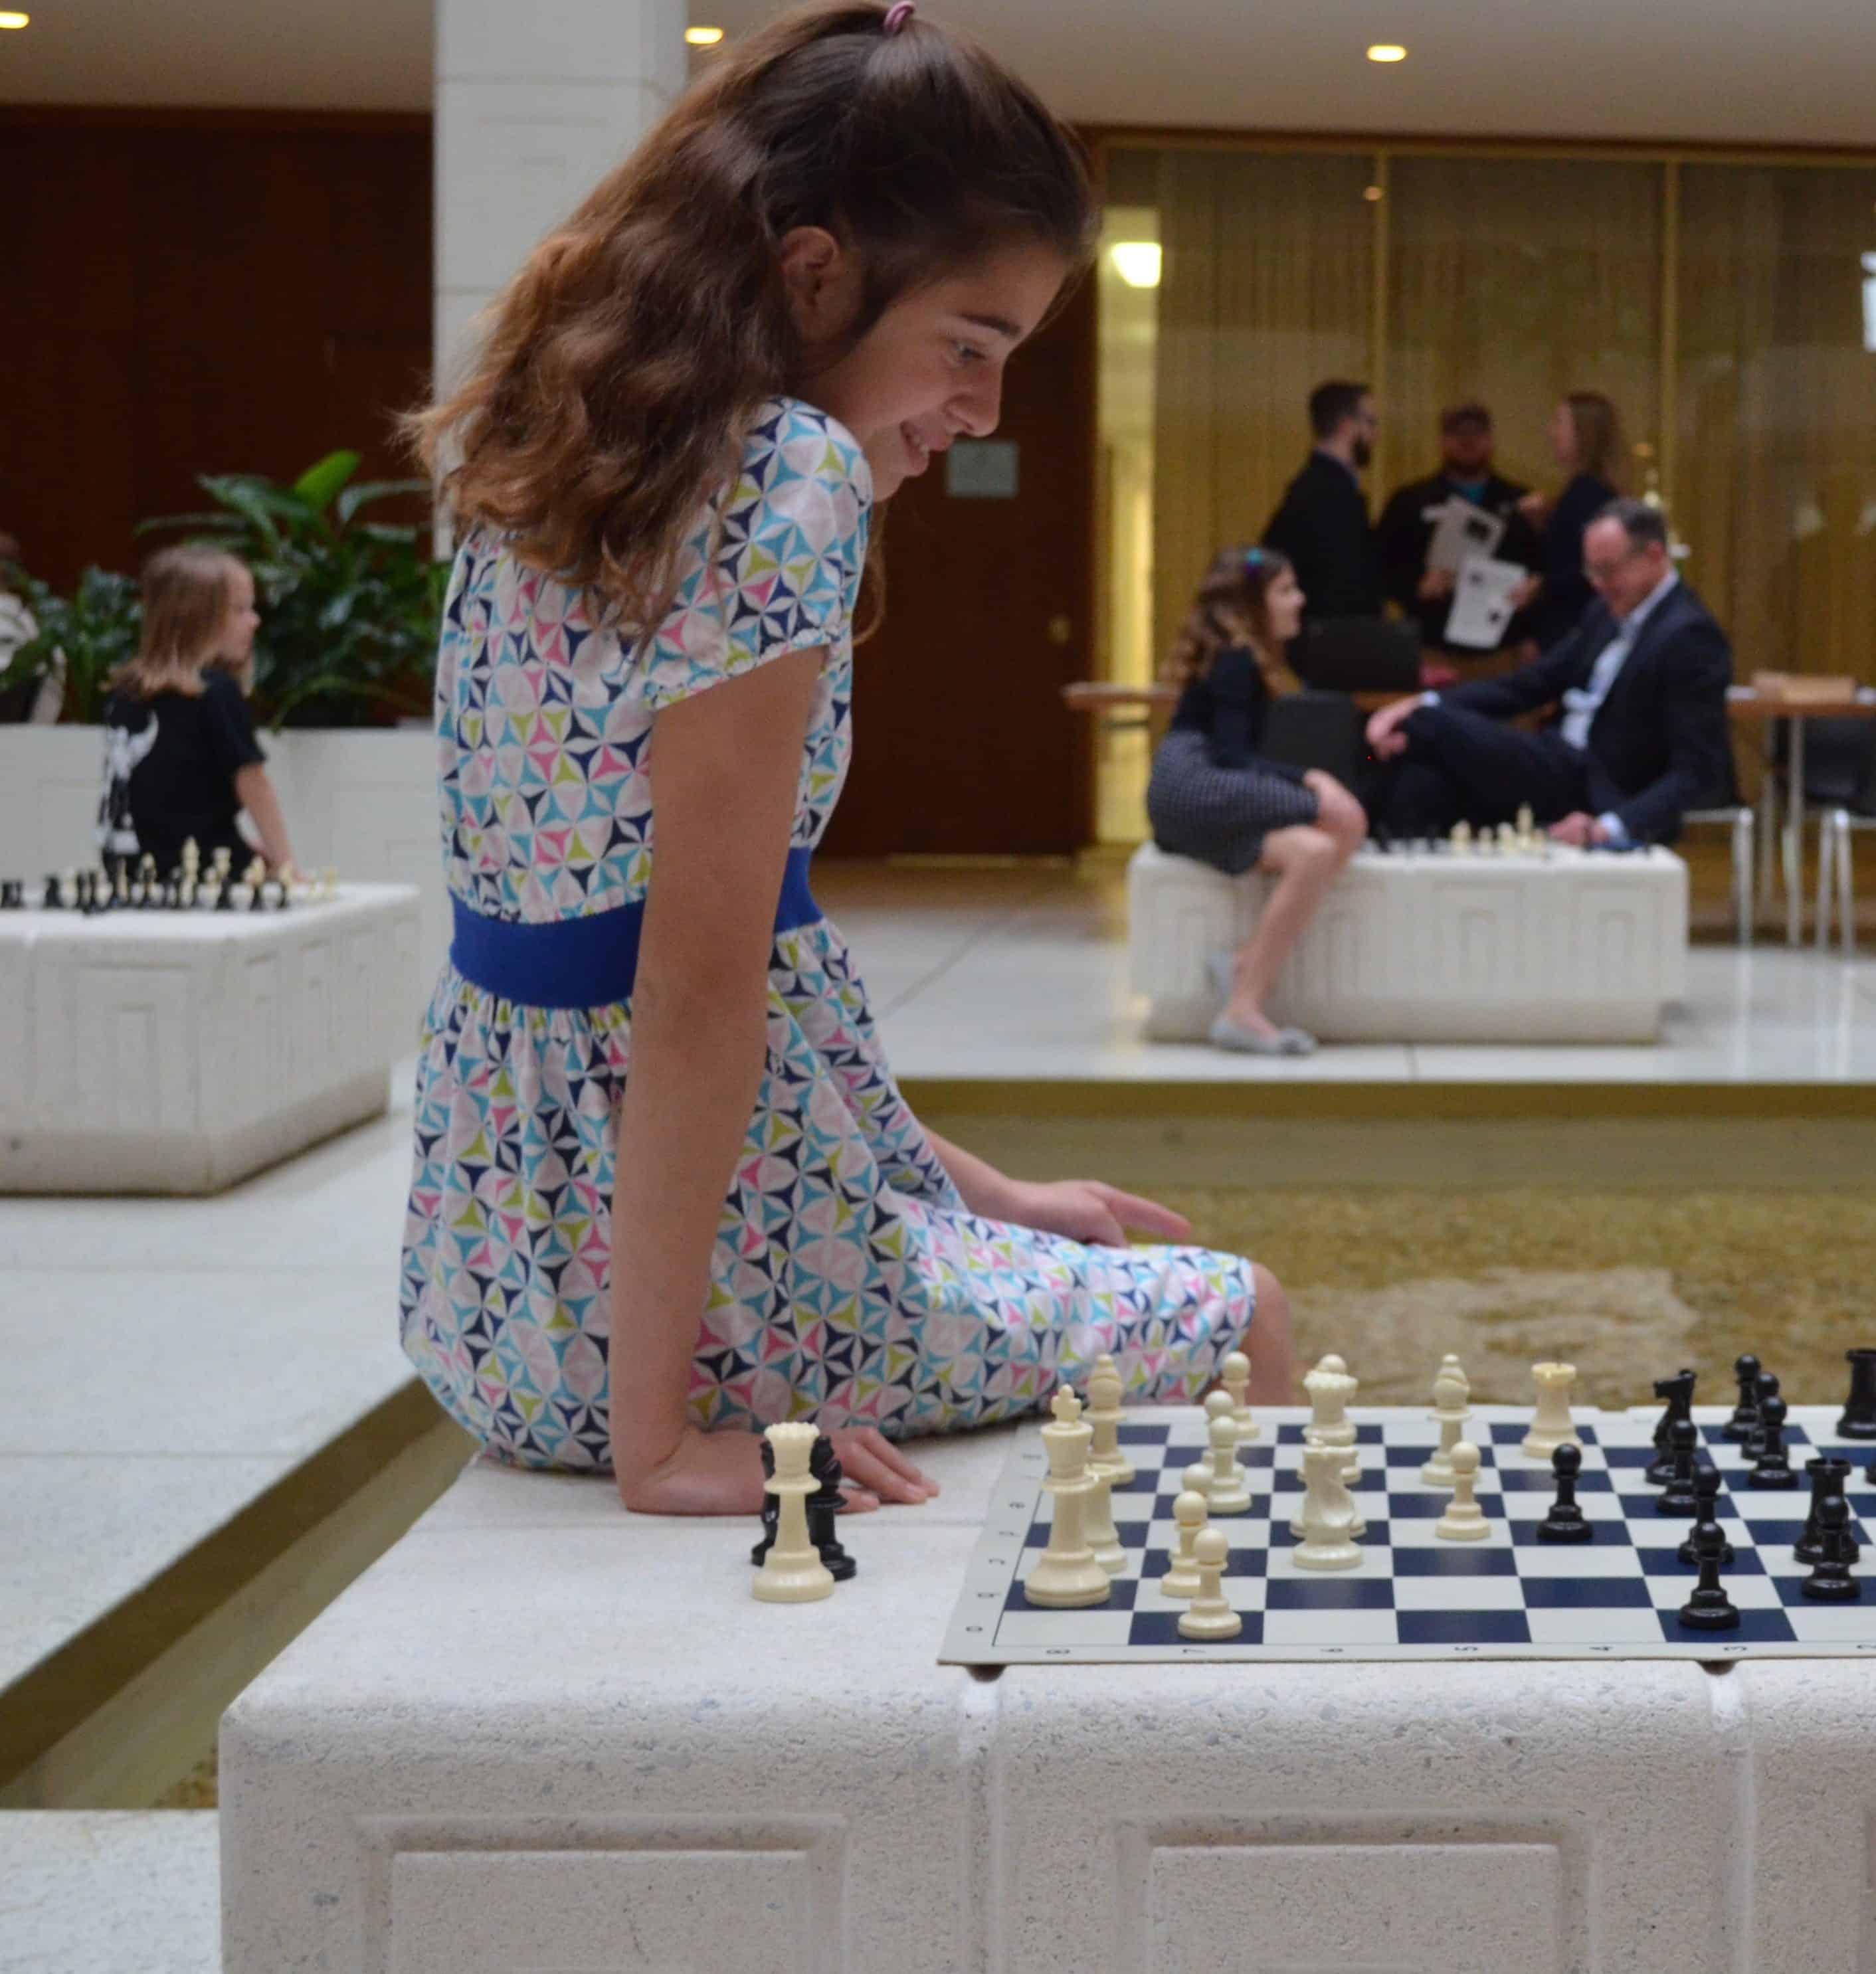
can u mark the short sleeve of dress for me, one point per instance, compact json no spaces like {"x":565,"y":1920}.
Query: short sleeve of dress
{"x":776,"y":566}
{"x":225,"y":718}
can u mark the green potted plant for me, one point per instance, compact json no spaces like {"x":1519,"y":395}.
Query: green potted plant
{"x":92,"y":631}
{"x":350,"y":607}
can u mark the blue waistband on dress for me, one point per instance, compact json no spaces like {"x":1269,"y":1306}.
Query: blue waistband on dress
{"x":584,"y":962}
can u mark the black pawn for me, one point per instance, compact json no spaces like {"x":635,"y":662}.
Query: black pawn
{"x":1768,"y":1388}
{"x":1830,"y":1581}
{"x":823,"y":1505}
{"x":1707,"y":1492}
{"x":1773,"y":1468}
{"x":1744,"y":1420}
{"x":1859,"y":1418}
{"x":49,"y":898}
{"x":1678,"y":1391}
{"x":1679,"y":1496}
{"x":1710,"y":1608}
{"x":771,"y":1508}
{"x":1566,"y":1522}
{"x":1829,"y":1478}
{"x":225,"y":902}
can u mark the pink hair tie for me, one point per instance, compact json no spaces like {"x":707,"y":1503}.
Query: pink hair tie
{"x":898,"y":15}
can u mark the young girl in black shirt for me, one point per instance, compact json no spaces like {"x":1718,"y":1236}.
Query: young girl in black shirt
{"x":181,"y":760}
{"x":1212,"y":796}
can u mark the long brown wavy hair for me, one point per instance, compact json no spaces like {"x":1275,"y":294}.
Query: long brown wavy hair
{"x":1230,"y":609}
{"x":624,"y":364}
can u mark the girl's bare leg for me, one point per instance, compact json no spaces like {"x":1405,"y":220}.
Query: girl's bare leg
{"x":1305,"y":859}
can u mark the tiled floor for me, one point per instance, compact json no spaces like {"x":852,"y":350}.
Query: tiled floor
{"x":1021,"y":973}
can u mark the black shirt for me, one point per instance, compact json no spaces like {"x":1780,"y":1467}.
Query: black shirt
{"x":1322,"y":526}
{"x":1566,"y":592}
{"x":169,"y":768}
{"x":1228,"y":703}
{"x":1405,"y":534}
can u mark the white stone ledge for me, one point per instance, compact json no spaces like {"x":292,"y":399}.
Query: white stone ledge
{"x":539,"y":1729}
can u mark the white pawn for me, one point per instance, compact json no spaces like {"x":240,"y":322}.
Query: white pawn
{"x":1464,"y":1519}
{"x":1105,"y":1414}
{"x":1228,"y":1487}
{"x":1507,"y":840}
{"x":1452,"y":1406}
{"x":1551,"y":1426}
{"x":1181,"y":1576}
{"x":1237,"y":1381}
{"x":1526,"y":829}
{"x":1097,"y":1521}
{"x":1328,"y":1520}
{"x":1210,"y":1615}
{"x":1461,"y":839}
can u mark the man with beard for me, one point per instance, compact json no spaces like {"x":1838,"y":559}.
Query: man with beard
{"x":1322,"y":522}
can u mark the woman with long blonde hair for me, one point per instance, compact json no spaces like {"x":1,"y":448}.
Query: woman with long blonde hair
{"x":181,"y":760}
{"x":1212,"y":796}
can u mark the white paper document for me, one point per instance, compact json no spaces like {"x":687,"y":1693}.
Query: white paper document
{"x":1482,"y":605}
{"x":1461,"y":530}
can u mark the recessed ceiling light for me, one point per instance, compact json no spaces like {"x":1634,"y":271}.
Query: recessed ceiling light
{"x":1387,"y":51}
{"x":1371,"y":193}
{"x":703,"y":37}
{"x":1137,"y":262}
{"x":11,"y":20}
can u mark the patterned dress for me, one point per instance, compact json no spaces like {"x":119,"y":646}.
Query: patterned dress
{"x":849,"y":1281}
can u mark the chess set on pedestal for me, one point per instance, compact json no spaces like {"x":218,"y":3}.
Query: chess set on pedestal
{"x":135,"y":885}
{"x":1284,"y":1533}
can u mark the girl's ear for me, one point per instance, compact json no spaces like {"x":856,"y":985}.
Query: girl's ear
{"x":823,"y":283}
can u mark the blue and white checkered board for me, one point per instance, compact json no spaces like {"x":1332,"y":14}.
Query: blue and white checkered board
{"x":1413,"y":1596}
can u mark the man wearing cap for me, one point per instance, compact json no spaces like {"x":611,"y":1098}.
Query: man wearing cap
{"x":1405,"y":533}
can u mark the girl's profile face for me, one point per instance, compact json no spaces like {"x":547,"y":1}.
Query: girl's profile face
{"x":930,"y":370}
{"x":240,"y":621}
{"x":1283,"y":606}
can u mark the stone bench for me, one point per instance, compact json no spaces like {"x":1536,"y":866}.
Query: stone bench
{"x":540,"y":1733}
{"x":177,"y":1052}
{"x":1566,"y":946}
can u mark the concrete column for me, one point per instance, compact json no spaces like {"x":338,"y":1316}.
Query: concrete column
{"x":535,"y":102}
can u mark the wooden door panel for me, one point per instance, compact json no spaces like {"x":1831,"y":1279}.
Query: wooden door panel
{"x":961,"y":744}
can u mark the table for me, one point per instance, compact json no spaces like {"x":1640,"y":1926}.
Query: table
{"x":1747,"y":704}
{"x":1558,"y":945}
{"x":177,"y":1052}
{"x":542,"y":1733}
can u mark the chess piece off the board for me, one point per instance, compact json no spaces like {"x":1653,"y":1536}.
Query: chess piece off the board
{"x":1464,"y":1519}
{"x":1329,"y":1519}
{"x":1452,"y":1406}
{"x":1068,"y":1574}
{"x":1105,"y":1414}
{"x":792,"y":1572}
{"x":1551,"y":1425}
{"x":1189,"y":1512}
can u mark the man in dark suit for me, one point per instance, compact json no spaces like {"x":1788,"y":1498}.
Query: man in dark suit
{"x":1405,"y":532}
{"x":1321,"y":524}
{"x":1639,"y":734}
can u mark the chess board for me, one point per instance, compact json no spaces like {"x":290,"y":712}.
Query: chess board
{"x":1412,"y":1595}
